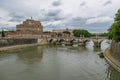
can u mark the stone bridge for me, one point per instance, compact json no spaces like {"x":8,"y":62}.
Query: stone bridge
{"x":75,"y":40}
{"x":57,"y":40}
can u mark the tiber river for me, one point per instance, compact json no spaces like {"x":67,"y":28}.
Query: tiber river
{"x":56,"y":63}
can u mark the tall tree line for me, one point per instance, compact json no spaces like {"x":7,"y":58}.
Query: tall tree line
{"x":114,"y":31}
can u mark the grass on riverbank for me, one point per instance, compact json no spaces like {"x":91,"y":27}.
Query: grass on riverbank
{"x":101,"y":55}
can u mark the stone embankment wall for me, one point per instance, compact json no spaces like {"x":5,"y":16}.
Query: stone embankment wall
{"x":42,"y":41}
{"x":16,"y":41}
{"x":115,"y":49}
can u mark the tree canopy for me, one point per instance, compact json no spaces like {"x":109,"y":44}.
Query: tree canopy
{"x":3,"y":33}
{"x":79,"y":32}
{"x":114,"y":31}
{"x":66,"y":32}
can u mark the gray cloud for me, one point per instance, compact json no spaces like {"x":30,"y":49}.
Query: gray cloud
{"x":76,"y":22}
{"x":60,"y":13}
{"x":53,"y":12}
{"x":55,"y":18}
{"x":82,"y":4}
{"x":80,"y":23}
{"x":56,"y":3}
{"x":8,"y":28}
{"x":16,"y":17}
{"x":107,"y":3}
{"x":51,"y":15}
{"x":9,"y":6}
{"x":99,"y":27}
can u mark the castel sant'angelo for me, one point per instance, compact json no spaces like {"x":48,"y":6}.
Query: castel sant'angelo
{"x":34,"y":29}
{"x":28,"y":28}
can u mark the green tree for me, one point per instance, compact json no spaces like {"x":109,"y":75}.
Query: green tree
{"x":114,"y":31}
{"x":78,"y":32}
{"x":66,"y":32}
{"x":3,"y":33}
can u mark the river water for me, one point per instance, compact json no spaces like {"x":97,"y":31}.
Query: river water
{"x":56,"y":63}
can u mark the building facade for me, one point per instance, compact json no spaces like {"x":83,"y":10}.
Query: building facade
{"x":61,"y":32}
{"x":28,"y":29}
{"x":30,"y":25}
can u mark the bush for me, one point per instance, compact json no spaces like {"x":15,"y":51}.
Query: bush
{"x":78,"y":32}
{"x":101,"y":55}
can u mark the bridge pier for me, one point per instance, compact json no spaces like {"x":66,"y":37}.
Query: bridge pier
{"x":97,"y":43}
{"x":82,"y":42}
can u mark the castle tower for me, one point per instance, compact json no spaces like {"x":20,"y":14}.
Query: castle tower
{"x":30,"y":25}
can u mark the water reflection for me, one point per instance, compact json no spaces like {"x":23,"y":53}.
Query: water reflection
{"x":112,"y":74}
{"x":31,"y":55}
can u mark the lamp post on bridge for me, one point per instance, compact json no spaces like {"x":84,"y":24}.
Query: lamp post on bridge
{"x":83,"y":36}
{"x":96,"y":35}
{"x":80,"y":38}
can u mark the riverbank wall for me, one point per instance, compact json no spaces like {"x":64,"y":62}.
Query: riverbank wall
{"x":112,"y":55}
{"x":115,"y":49}
{"x":4,"y":42}
{"x":16,"y":43}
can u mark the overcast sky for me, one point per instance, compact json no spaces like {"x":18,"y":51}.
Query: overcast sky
{"x":93,"y":15}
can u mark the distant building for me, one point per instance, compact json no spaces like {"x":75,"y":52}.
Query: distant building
{"x":28,"y":29}
{"x":30,"y":26}
{"x":61,"y":32}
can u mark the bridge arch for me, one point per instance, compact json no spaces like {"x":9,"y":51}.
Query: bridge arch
{"x":61,"y":40}
{"x":97,"y":43}
{"x":50,"y":41}
{"x":85,"y":41}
